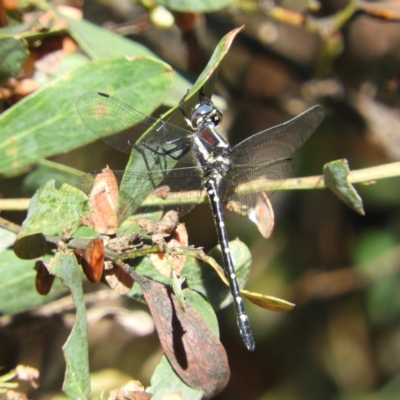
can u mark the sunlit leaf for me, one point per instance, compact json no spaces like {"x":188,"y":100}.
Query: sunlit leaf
{"x":50,"y":211}
{"x":47,"y":122}
{"x":268,"y":302}
{"x":98,"y":42}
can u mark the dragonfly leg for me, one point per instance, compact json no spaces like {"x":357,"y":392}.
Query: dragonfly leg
{"x":184,"y":148}
{"x":183,"y":111}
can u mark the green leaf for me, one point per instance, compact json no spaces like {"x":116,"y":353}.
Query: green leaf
{"x":165,"y":381}
{"x":209,"y":71}
{"x":203,"y":308}
{"x":77,"y":378}
{"x":50,"y":211}
{"x":335,"y":174}
{"x":47,"y":122}
{"x":13,"y":54}
{"x":17,"y":285}
{"x":98,"y":42}
{"x":200,"y":6}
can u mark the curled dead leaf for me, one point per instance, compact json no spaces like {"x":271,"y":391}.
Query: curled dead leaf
{"x":103,"y":199}
{"x":165,"y":227}
{"x":193,"y":350}
{"x":92,"y":260}
{"x":118,"y":279}
{"x":44,"y":280}
{"x":165,"y":263}
{"x":133,"y":390}
{"x":263,"y":216}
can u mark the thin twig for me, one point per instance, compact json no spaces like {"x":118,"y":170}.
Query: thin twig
{"x":9,"y":226}
{"x":364,"y":176}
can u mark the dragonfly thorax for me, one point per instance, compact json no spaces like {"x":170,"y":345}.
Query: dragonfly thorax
{"x":206,"y":114}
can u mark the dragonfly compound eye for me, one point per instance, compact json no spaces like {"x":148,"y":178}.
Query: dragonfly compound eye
{"x":206,"y":113}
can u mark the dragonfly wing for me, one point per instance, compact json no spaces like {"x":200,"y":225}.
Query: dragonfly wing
{"x":263,"y":161}
{"x":279,"y":141}
{"x":120,"y":125}
{"x":244,"y":186}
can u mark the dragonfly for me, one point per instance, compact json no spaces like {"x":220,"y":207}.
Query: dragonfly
{"x":188,"y":161}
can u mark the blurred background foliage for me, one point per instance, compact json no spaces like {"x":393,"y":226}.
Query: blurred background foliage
{"x":342,"y":341}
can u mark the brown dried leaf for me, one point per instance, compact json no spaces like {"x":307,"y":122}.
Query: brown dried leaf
{"x":194,"y":352}
{"x":165,"y":227}
{"x":25,"y":373}
{"x":103,"y":200}
{"x":385,"y":9}
{"x":163,"y":262}
{"x":169,"y":223}
{"x":11,"y":4}
{"x":44,"y":280}
{"x":118,"y":279}
{"x":25,"y":86}
{"x":263,"y":216}
{"x":92,"y":260}
{"x":13,"y":395}
{"x":186,"y":21}
{"x":133,"y":390}
{"x":162,"y":191}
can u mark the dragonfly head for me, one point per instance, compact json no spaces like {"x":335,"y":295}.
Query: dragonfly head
{"x":205,"y":113}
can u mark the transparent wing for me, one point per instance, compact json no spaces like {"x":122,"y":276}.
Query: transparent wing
{"x":120,"y":125}
{"x":279,"y":141}
{"x":241,"y":188}
{"x":263,"y":161}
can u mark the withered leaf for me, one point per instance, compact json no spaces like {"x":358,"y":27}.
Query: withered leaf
{"x":164,"y":262}
{"x":92,"y":260}
{"x":263,"y":216}
{"x":103,"y":200}
{"x":133,"y":390}
{"x":44,"y":280}
{"x":30,"y":374}
{"x":118,"y":279}
{"x":194,"y":352}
